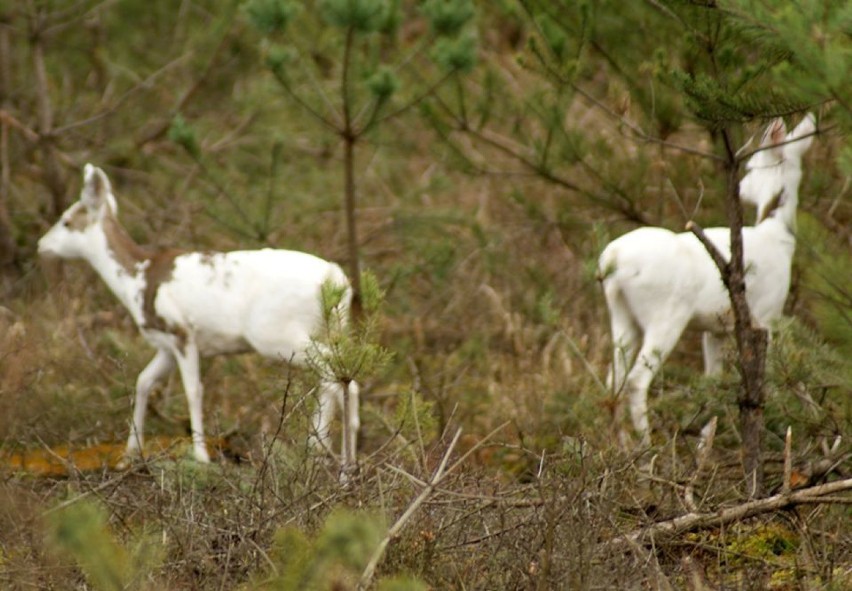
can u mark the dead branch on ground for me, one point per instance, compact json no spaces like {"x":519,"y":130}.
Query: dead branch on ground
{"x":823,"y":493}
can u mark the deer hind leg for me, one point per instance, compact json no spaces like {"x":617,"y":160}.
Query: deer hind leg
{"x":190,"y":373}
{"x":329,"y":395}
{"x":626,"y":337}
{"x":712,"y":344}
{"x":656,"y":346}
{"x":157,"y":370}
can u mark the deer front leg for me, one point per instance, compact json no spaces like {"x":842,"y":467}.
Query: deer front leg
{"x":190,"y":373}
{"x":348,"y":400}
{"x":712,"y":345}
{"x":353,"y":418}
{"x":157,"y":370}
{"x":329,"y":395}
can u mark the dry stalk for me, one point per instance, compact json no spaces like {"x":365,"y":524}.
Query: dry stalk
{"x":697,"y":579}
{"x":586,"y":364}
{"x":705,"y":446}
{"x":788,"y":461}
{"x":264,"y":466}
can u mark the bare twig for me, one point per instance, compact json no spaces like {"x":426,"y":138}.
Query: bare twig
{"x":109,"y":110}
{"x":141,"y":467}
{"x":742,"y":155}
{"x":282,"y":418}
{"x":586,"y":364}
{"x":8,"y":119}
{"x":714,"y":253}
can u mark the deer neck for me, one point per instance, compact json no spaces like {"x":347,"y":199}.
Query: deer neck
{"x":781,"y":209}
{"x":121,"y":263}
{"x":784,"y":212}
{"x":787,"y":212}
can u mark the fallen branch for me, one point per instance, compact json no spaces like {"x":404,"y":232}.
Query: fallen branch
{"x":693,"y":521}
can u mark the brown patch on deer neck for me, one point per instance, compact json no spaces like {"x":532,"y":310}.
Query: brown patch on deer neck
{"x":129,"y":256}
{"x":159,"y":271}
{"x":124,"y":250}
{"x":773,"y":205}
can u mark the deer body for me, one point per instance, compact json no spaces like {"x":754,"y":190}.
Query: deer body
{"x":229,"y":298}
{"x":194,"y":304}
{"x":658,"y":283}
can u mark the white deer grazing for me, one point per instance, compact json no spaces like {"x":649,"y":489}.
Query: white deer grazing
{"x":194,"y":304}
{"x":658,"y":283}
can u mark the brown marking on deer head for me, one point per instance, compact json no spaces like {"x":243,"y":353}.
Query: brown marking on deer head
{"x":78,"y":221}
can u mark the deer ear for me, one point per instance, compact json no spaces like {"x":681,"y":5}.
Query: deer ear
{"x":96,"y":188}
{"x":804,"y":130}
{"x":775,"y":133}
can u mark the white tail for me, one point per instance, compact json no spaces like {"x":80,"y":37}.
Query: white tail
{"x":193,"y":304}
{"x":658,"y":283}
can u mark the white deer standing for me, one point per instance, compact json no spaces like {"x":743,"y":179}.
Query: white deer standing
{"x":194,"y":304}
{"x":658,"y":283}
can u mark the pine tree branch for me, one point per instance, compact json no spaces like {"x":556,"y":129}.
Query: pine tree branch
{"x":145,"y":84}
{"x":428,"y":92}
{"x":285,"y":84}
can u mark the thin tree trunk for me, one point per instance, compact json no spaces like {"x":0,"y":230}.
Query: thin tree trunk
{"x":352,"y":226}
{"x":53,"y":176}
{"x":751,"y":403}
{"x":8,"y":249}
{"x":751,"y":341}
{"x":350,"y":138}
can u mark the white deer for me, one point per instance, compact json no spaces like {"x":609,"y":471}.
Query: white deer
{"x":194,"y":304}
{"x":658,"y":283}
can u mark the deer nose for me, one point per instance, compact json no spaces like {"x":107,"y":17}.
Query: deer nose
{"x":44,"y":249}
